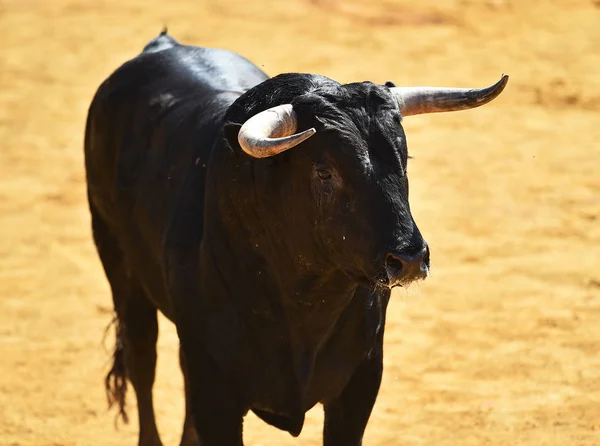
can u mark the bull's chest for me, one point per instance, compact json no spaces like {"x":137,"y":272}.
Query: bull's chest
{"x":297,"y":373}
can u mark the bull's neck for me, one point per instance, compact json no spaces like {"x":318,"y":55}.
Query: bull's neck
{"x":243,"y":275}
{"x":296,"y":311}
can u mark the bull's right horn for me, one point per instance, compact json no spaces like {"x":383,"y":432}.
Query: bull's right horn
{"x":271,"y":132}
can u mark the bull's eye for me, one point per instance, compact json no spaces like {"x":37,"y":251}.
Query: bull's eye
{"x":323,"y":173}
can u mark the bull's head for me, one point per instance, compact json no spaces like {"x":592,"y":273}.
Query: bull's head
{"x":347,"y":181}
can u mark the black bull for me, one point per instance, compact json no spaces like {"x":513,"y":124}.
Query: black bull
{"x":275,"y":265}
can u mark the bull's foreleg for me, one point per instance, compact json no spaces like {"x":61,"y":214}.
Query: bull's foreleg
{"x":189,"y":436}
{"x":215,"y":405}
{"x":346,"y":417}
{"x":212,"y":399}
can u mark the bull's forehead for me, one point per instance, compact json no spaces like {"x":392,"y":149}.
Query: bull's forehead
{"x":371,"y":98}
{"x":365,"y":119}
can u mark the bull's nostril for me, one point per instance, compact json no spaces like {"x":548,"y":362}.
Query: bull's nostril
{"x":425,"y":259}
{"x":394,"y":264}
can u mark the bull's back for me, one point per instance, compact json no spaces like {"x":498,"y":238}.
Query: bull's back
{"x":150,"y":129}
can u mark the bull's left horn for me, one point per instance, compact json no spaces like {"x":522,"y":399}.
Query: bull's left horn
{"x":418,"y":100}
{"x":271,"y":132}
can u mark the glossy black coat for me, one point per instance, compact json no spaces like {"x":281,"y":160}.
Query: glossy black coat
{"x":270,"y":272}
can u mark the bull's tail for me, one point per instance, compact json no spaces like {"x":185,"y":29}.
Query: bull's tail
{"x":116,"y":379}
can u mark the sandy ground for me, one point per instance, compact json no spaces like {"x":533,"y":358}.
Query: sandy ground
{"x":499,"y":347}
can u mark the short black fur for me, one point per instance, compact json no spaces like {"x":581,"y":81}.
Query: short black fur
{"x":274,"y":269}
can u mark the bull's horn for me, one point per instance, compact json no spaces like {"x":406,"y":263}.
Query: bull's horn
{"x":271,"y":132}
{"x":418,"y":100}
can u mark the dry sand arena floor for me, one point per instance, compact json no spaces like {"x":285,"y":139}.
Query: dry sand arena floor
{"x":499,"y":347}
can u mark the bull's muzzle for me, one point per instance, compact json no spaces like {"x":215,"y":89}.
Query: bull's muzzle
{"x":407,"y":265}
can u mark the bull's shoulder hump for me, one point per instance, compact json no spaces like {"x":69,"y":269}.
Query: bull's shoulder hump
{"x":226,"y":69}
{"x":187,"y":69}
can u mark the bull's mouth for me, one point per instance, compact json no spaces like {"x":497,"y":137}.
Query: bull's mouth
{"x":406,"y":281}
{"x":386,"y":281}
{"x":383,"y":282}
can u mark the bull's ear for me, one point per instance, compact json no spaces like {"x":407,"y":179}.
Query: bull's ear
{"x":230,"y":133}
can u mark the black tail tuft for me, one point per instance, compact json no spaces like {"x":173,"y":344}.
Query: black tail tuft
{"x":164,"y":31}
{"x":116,"y":379}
